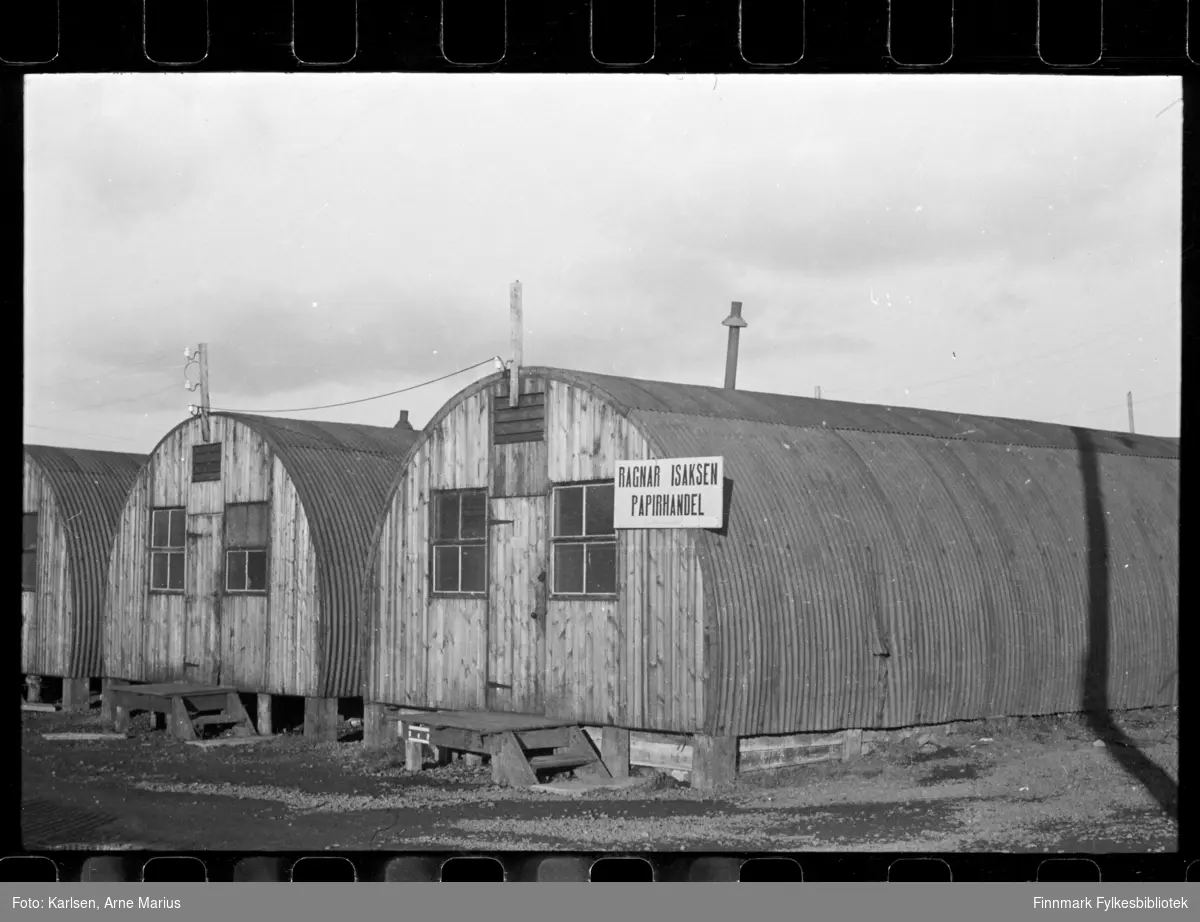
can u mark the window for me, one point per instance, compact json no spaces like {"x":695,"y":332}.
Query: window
{"x":246,"y":541}
{"x":29,"y":525}
{"x":206,"y":462}
{"x":585,"y":542}
{"x":166,"y":549}
{"x":460,"y":541}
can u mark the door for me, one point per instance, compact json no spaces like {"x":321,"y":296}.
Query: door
{"x":516,"y":659}
{"x":202,"y":599}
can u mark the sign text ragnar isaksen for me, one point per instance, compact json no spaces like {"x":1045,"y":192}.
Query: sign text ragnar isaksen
{"x":649,"y":476}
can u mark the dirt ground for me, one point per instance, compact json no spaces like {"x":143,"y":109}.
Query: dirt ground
{"x":1026,"y":785}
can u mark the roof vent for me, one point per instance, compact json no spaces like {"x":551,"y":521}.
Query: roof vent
{"x":402,"y":422}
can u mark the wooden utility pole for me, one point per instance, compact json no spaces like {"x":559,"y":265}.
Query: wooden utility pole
{"x":204,"y":405}
{"x":514,"y":368}
{"x":1129,"y":401}
{"x":735,"y":323}
{"x":818,"y":392}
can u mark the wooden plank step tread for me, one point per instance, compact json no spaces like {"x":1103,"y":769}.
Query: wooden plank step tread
{"x":562,"y":761}
{"x":212,"y":720}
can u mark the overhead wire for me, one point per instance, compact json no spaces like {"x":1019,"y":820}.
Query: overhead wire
{"x":346,"y":403}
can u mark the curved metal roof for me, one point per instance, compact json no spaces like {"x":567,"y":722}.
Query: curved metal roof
{"x":343,"y":474}
{"x":886,"y":566}
{"x":90,"y":489}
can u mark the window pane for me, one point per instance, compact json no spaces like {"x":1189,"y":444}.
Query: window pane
{"x":160,"y":521}
{"x":235,"y":570}
{"x":29,"y":531}
{"x":235,"y":526}
{"x":257,"y":519}
{"x":568,"y":512}
{"x":474,"y":515}
{"x":445,"y":568}
{"x":158,"y":570}
{"x":600,"y":510}
{"x":29,"y":570}
{"x":568,"y":568}
{"x":175,"y":574}
{"x":474,"y":568}
{"x":256,"y":570}
{"x":445,"y":516}
{"x":601,"y":569}
{"x":177,"y":523}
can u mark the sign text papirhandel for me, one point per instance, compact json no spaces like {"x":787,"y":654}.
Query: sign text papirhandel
{"x":670,"y":493}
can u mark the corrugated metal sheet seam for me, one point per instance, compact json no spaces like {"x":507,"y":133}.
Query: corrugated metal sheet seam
{"x":90,"y":489}
{"x":344,"y":474}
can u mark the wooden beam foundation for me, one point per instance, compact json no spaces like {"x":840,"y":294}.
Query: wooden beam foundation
{"x":614,"y":751}
{"x":107,"y":709}
{"x":714,"y":761}
{"x":320,"y":719}
{"x":375,"y":726}
{"x":76,"y":694}
{"x":264,"y":716}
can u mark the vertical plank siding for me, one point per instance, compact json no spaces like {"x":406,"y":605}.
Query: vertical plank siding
{"x":77,"y":495}
{"x":424,"y":650}
{"x":326,"y":485}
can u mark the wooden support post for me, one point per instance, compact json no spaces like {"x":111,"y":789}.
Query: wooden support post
{"x":493,"y":743}
{"x":514,"y":767}
{"x":235,"y":708}
{"x":264,"y":715}
{"x":181,"y":723}
{"x":108,"y":712}
{"x":120,"y":718}
{"x":614,"y":750}
{"x":714,"y":761}
{"x":33,"y":689}
{"x":375,"y":726}
{"x":76,"y":694}
{"x":473,"y":759}
{"x":320,"y":719}
{"x":414,"y":753}
{"x":851,"y":745}
{"x":516,"y":321}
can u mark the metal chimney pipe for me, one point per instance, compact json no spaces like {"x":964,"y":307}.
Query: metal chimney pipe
{"x":403,"y":422}
{"x":735,"y":323}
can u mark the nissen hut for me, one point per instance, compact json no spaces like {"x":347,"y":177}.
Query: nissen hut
{"x":239,"y":558}
{"x":71,"y":499}
{"x":867,"y":567}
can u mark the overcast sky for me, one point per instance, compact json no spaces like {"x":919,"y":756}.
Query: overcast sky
{"x":994,"y":245}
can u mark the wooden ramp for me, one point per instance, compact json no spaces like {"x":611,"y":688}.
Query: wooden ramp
{"x":188,"y":708}
{"x":521,"y":746}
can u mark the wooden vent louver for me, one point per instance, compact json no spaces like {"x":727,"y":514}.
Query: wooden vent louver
{"x":206,"y":463}
{"x":526,"y":422}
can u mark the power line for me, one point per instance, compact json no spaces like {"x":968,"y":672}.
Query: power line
{"x":98,"y":378}
{"x":94,"y":435}
{"x":112,"y":403}
{"x":347,"y":403}
{"x":1020,"y":361}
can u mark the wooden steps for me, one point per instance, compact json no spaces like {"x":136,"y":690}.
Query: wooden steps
{"x":189,"y":709}
{"x":521,"y":746}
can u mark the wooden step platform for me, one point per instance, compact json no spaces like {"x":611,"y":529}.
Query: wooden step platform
{"x":520,"y":745}
{"x":188,"y":707}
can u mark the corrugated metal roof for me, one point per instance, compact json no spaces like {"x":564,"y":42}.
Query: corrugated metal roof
{"x":888,"y":566}
{"x":343,"y":473}
{"x":90,"y":489}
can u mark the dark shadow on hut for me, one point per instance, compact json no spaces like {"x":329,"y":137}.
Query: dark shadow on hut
{"x":1095,"y":692}
{"x":726,"y":503}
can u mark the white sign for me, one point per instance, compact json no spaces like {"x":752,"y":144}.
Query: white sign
{"x":670,"y":493}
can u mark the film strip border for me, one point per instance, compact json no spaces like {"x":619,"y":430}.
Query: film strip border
{"x":597,"y":867}
{"x":1105,"y":36}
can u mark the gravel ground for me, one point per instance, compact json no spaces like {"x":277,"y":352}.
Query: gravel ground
{"x":1038,"y":785}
